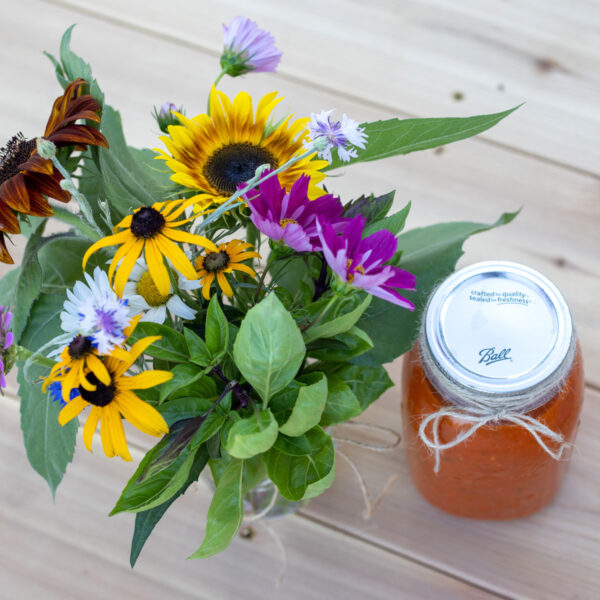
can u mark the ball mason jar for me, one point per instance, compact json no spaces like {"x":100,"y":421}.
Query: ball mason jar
{"x":492,"y":393}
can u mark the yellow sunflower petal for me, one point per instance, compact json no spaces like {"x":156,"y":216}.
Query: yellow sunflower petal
{"x":143,"y":381}
{"x":90,"y":427}
{"x":190,"y":238}
{"x":111,"y":240}
{"x":176,"y":255}
{"x":156,"y":266}
{"x":71,"y":410}
{"x":117,"y":433}
{"x":127,"y":265}
{"x":222,"y":280}
{"x":140,"y":414}
{"x":98,"y":369}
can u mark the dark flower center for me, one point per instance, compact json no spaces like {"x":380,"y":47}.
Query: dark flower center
{"x":14,"y":154}
{"x":234,"y":164}
{"x":147,"y":222}
{"x":216,"y":261}
{"x":101,"y":396}
{"x":79,"y":347}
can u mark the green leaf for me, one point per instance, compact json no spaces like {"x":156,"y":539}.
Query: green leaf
{"x":268,"y":349}
{"x":8,"y":284}
{"x":29,"y":282}
{"x":50,"y":447}
{"x":171,"y":346}
{"x":366,"y":383}
{"x":394,"y":223}
{"x":431,"y":254}
{"x":308,"y":408}
{"x":342,"y":347}
{"x":343,"y":315}
{"x":217,"y":329}
{"x":342,"y":404}
{"x":401,"y":136}
{"x":204,"y":388}
{"x":44,"y":321}
{"x":225,"y":513}
{"x":293,"y":474}
{"x":183,"y":408}
{"x":371,"y":208}
{"x":146,"y":521}
{"x":183,"y":374}
{"x":197,"y":349}
{"x":318,"y":487}
{"x":166,"y":467}
{"x":252,"y":435}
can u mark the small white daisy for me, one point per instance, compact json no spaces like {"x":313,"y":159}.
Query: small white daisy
{"x":144,"y":297}
{"x":344,"y":135}
{"x":95,"y":311}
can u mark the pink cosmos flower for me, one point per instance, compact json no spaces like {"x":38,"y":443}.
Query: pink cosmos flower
{"x":247,"y":48}
{"x":291,"y":217}
{"x":359,"y":261}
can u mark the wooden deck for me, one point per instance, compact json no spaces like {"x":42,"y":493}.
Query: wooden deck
{"x":376,"y":60}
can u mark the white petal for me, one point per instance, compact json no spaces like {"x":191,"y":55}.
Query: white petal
{"x":178,"y":307}
{"x":156,"y":315}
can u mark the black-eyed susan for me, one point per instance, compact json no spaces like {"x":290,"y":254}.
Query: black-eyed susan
{"x":227,"y":258}
{"x":154,"y":230}
{"x":26,"y":179}
{"x":214,"y":154}
{"x":115,"y":399}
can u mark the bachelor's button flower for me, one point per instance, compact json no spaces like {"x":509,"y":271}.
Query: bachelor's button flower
{"x":247,"y":48}
{"x":344,"y":135}
{"x":55,"y":392}
{"x":359,"y":262}
{"x":291,"y":217}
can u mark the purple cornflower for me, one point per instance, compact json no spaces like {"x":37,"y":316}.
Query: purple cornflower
{"x":247,"y":48}
{"x":359,"y":262}
{"x":6,"y":340}
{"x":291,"y":217}
{"x":341,"y":135}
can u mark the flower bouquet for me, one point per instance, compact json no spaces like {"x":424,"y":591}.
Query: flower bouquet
{"x":219,"y":298}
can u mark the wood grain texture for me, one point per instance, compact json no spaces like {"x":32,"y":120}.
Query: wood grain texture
{"x":73,"y":550}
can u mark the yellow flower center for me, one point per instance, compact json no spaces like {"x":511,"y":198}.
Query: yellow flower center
{"x":285,"y":222}
{"x":147,"y":289}
{"x":359,"y":268}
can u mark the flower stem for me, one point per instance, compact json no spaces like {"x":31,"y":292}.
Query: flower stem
{"x":66,"y":216}
{"x":305,"y":328}
{"x":22,"y":353}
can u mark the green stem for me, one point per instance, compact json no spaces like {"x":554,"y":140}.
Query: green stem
{"x":66,"y":216}
{"x":23,"y":353}
{"x":305,"y":328}
{"x":261,"y":280}
{"x":215,"y":84}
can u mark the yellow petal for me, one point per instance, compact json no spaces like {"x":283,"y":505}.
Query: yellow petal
{"x":132,"y":325}
{"x":190,"y":238}
{"x":224,"y":285}
{"x":90,"y":427}
{"x":127,"y":266}
{"x":156,"y":266}
{"x":143,"y":381}
{"x":71,"y":410}
{"x":98,"y":369}
{"x":106,"y":432}
{"x":119,"y":255}
{"x":244,"y":268}
{"x":176,"y":255}
{"x":117,"y":433}
{"x":207,"y":282}
{"x":111,"y":240}
{"x":71,"y":379}
{"x":136,"y":350}
{"x":140,"y":414}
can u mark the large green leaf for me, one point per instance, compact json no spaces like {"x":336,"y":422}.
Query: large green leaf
{"x":268,"y":349}
{"x":431,"y":254}
{"x":183,"y":374}
{"x":171,"y":346}
{"x":252,"y":435}
{"x":295,"y":464}
{"x":226,"y":511}
{"x":49,"y":446}
{"x":146,"y":521}
{"x":401,"y":136}
{"x":342,"y":403}
{"x":217,"y":329}
{"x":342,"y":347}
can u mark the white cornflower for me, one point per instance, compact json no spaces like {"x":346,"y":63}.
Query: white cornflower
{"x":96,"y":312}
{"x":144,"y":297}
{"x":344,"y":135}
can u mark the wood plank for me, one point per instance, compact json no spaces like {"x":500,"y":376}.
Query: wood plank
{"x":429,"y":58}
{"x":556,"y":232}
{"x":552,"y":554}
{"x":71,"y":549}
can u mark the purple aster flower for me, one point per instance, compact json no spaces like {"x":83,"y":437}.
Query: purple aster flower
{"x":247,"y":48}
{"x":6,"y":340}
{"x":342,"y":135}
{"x":291,"y":217}
{"x":166,"y":116}
{"x":359,"y":262}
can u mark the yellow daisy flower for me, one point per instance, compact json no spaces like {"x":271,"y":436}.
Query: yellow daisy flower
{"x":213,"y":154}
{"x":226,"y":259}
{"x":115,"y":399}
{"x":152,"y":229}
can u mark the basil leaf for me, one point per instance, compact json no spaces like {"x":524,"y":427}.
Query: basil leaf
{"x":252,"y":435}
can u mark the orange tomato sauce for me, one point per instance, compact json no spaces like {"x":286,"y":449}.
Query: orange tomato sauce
{"x":500,"y":472}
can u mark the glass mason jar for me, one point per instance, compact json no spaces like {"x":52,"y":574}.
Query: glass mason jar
{"x":492,"y":393}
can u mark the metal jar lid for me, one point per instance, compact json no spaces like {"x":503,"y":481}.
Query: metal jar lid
{"x":498,"y":327}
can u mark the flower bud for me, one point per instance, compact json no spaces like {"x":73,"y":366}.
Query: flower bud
{"x":46,"y":149}
{"x":166,"y":117}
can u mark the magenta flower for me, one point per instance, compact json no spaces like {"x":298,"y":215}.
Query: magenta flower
{"x":6,"y":339}
{"x":291,"y":217}
{"x":247,"y":48}
{"x":359,"y":262}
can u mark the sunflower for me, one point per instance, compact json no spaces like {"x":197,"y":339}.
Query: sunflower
{"x":213,"y":154}
{"x":26,"y":178}
{"x":152,"y":229}
{"x":109,"y":401}
{"x":226,"y":259}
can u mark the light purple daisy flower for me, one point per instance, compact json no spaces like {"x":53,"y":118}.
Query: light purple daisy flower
{"x":345,"y":135}
{"x":247,"y":48}
{"x":6,"y":340}
{"x":290,"y":218}
{"x":359,"y":262}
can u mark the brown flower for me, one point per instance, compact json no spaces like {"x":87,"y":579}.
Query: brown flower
{"x":26,"y":179}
